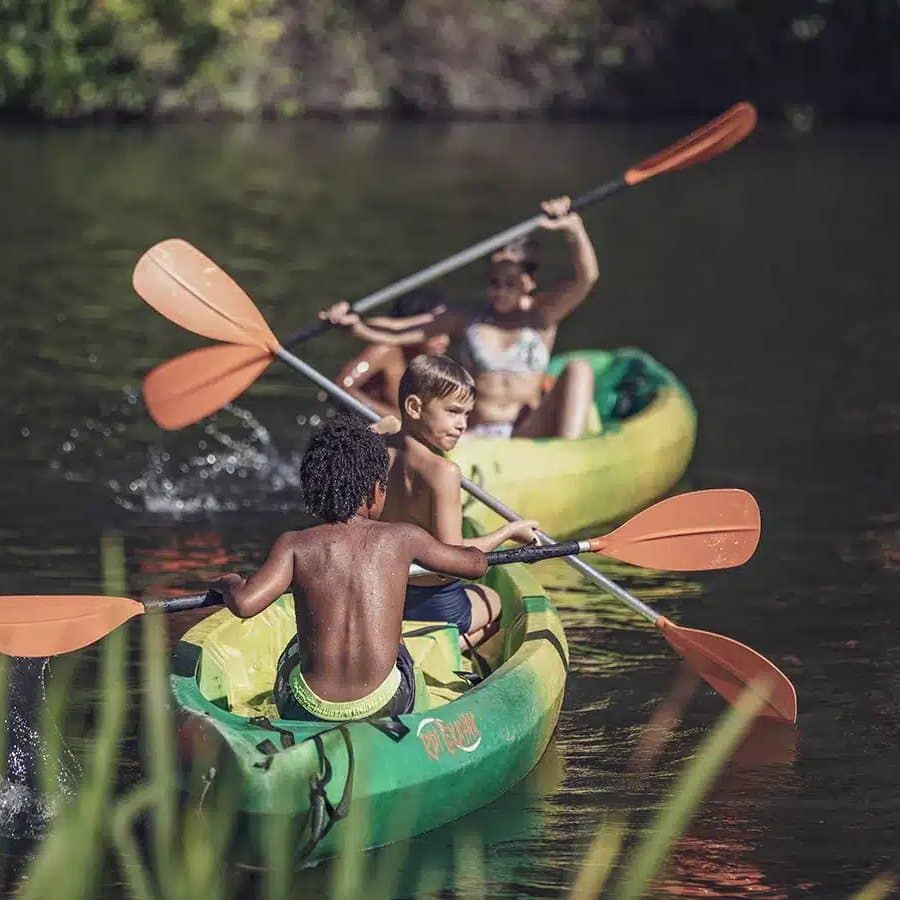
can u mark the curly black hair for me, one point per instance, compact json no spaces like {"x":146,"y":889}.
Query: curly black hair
{"x":342,"y":465}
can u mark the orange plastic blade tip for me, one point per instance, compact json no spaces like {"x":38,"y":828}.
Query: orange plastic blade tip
{"x":730,"y":667}
{"x":188,"y":288}
{"x":712,"y":139}
{"x":50,"y":625}
{"x":715,"y":529}
{"x":194,"y":385}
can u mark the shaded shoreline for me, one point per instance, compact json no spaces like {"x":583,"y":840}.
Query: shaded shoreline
{"x":802,"y":60}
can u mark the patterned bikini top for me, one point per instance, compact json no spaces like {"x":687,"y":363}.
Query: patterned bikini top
{"x":528,"y":353}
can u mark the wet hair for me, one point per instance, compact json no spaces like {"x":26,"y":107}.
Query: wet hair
{"x":415,"y":303}
{"x":341,"y":467}
{"x":430,"y":377}
{"x":523,"y":252}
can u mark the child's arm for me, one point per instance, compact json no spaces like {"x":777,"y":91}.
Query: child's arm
{"x":403,"y":332}
{"x":447,"y":516}
{"x":398,"y":323}
{"x":360,"y":371}
{"x":460,"y":562}
{"x":552,"y":306}
{"x":247,"y":597}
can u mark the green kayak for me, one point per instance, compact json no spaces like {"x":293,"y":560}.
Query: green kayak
{"x":638,"y":443}
{"x":472,"y":735}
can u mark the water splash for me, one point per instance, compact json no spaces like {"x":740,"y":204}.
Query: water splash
{"x":223,"y":472}
{"x":25,"y":810}
{"x":234,"y":464}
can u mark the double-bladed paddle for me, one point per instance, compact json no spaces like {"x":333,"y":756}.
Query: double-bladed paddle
{"x":700,"y":530}
{"x":190,"y":289}
{"x":209,"y":378}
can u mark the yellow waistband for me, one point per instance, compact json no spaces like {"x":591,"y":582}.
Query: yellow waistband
{"x":346,"y":710}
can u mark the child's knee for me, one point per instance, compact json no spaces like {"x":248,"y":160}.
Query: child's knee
{"x":580,"y":371}
{"x":485,"y":602}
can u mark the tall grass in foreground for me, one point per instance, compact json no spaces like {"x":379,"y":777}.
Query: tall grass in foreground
{"x":165,"y":839}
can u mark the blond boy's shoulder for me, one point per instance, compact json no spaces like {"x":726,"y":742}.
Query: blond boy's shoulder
{"x":433,"y":468}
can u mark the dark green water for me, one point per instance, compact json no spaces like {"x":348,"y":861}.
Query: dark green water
{"x":766,"y":280}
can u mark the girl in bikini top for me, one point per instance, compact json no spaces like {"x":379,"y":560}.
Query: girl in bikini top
{"x":515,"y":310}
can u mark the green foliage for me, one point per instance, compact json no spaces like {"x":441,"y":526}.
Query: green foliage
{"x":61,"y":59}
{"x":69,"y":58}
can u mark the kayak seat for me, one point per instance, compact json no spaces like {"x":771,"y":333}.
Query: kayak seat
{"x":434,"y":647}
{"x":241,"y":682}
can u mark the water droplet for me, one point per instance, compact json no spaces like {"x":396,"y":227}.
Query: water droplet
{"x":26,"y":431}
{"x":68,"y":447}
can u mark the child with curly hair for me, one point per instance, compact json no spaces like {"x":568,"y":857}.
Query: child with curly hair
{"x":348,"y":576}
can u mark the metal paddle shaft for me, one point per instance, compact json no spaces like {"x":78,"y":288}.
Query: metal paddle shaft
{"x":452,"y":263}
{"x":477,"y":492}
{"x":182,"y":604}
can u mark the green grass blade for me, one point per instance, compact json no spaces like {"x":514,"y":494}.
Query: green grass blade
{"x":159,"y":753}
{"x":599,"y":860}
{"x":879,"y":887}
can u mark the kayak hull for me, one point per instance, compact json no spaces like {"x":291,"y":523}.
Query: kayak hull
{"x":569,"y":485}
{"x":384,"y":780}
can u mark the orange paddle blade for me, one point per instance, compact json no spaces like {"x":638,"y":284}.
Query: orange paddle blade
{"x":715,"y":529}
{"x":188,"y":288}
{"x":717,"y":136}
{"x":194,"y":385}
{"x":729,"y":667}
{"x":50,"y":625}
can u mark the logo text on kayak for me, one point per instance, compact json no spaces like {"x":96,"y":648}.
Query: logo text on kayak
{"x":439,"y":737}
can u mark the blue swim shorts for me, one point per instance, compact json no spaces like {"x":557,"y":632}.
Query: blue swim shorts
{"x":439,"y":603}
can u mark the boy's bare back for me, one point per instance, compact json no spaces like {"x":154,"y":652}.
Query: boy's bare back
{"x":349,"y":584}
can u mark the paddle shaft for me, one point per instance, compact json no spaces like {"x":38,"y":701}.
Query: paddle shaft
{"x":457,"y":261}
{"x":182,"y":604}
{"x":477,"y":492}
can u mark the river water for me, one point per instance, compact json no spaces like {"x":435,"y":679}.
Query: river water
{"x":766,"y":280}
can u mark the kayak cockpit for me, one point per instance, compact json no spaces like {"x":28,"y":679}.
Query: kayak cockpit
{"x":236,"y":669}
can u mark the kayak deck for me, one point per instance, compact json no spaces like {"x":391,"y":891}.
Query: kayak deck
{"x":461,"y":747}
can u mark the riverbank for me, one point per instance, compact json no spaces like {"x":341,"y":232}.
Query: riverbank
{"x":801,"y":60}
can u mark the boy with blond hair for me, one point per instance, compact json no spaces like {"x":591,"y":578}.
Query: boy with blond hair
{"x":436,"y":396}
